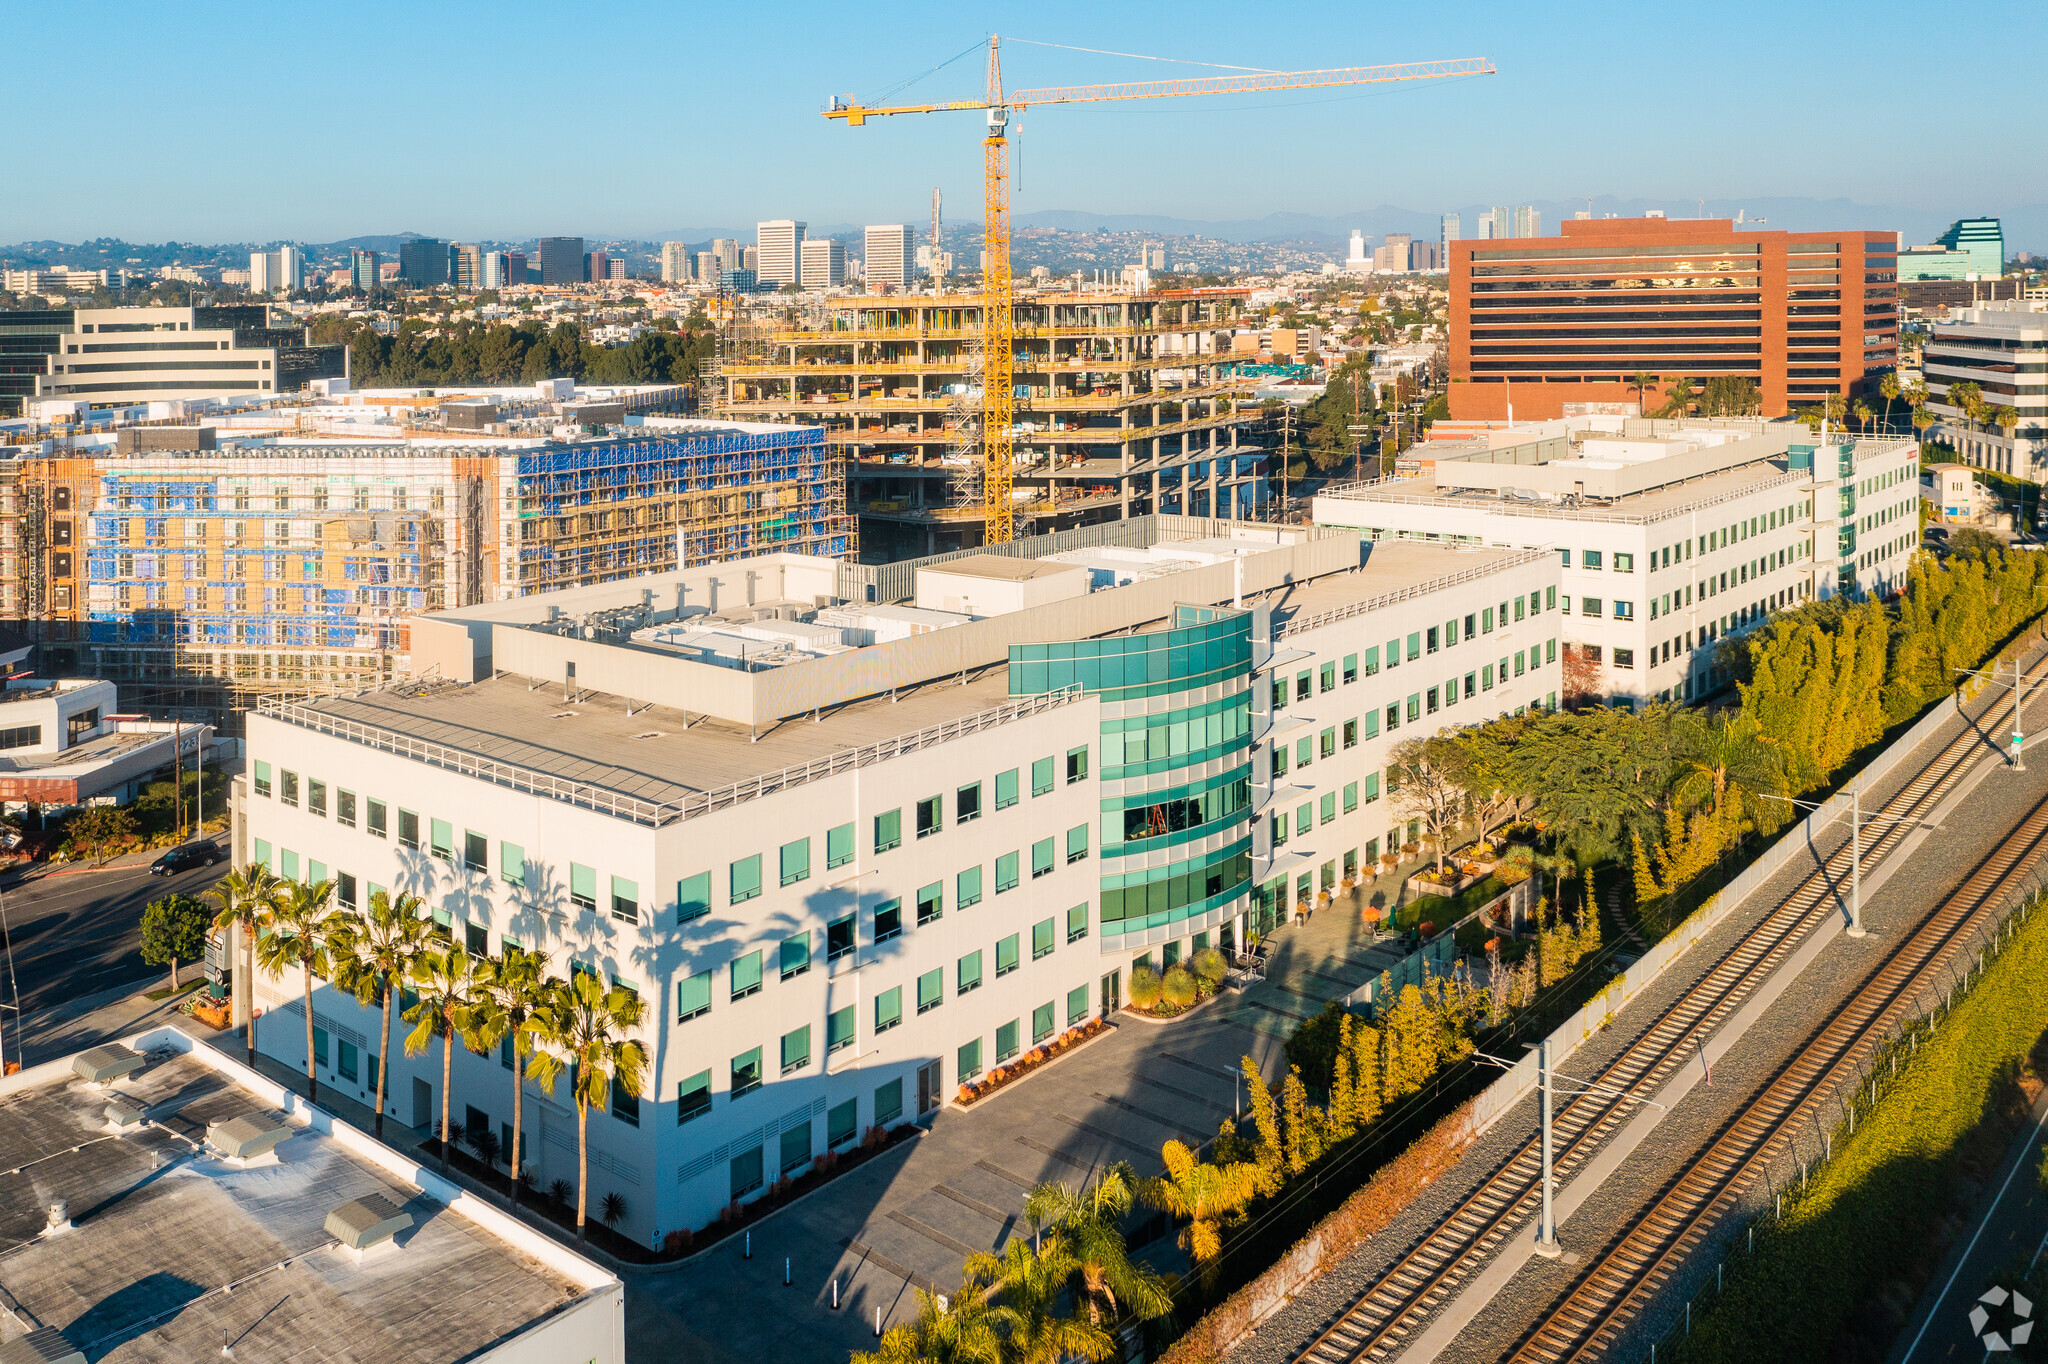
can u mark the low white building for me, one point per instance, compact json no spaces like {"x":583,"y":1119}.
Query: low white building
{"x":64,"y":741}
{"x":1670,"y":535}
{"x":850,"y":877}
{"x":166,"y":1203}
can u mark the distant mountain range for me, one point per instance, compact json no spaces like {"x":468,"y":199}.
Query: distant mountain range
{"x":2026,"y":227}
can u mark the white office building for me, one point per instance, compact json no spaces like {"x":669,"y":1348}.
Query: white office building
{"x":675,"y":262}
{"x":272,"y":271}
{"x":887,"y":252}
{"x":860,"y":834}
{"x":778,"y":248}
{"x":2002,"y":348}
{"x":824,"y":264}
{"x":1670,"y":536}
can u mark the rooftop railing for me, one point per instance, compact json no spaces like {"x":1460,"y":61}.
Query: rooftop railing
{"x":649,"y":813}
{"x":1303,"y":624}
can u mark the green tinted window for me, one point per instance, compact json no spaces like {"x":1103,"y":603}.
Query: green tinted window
{"x":693,"y":897}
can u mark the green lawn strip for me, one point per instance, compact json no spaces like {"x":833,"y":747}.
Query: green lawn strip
{"x":1838,"y":1276}
{"x":1444,"y":910}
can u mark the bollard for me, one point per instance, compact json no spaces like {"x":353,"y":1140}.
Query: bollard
{"x":1718,"y":1286}
{"x":1752,"y":1238}
{"x":835,"y":1293}
{"x":785,"y":1271}
{"x":878,"y":1319}
{"x":748,"y":1251}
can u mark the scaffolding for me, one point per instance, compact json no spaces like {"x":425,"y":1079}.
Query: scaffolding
{"x":587,"y":514}
{"x":212,"y":579}
{"x":1124,"y":404}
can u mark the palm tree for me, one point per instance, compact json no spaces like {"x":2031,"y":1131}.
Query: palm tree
{"x":1835,"y":407}
{"x":578,"y":1027}
{"x":1889,"y":387}
{"x":963,"y":1329}
{"x":1032,"y":1282}
{"x":373,"y":959}
{"x":1728,"y":762}
{"x":2007,"y":419}
{"x":1964,"y":398}
{"x":1864,"y":412}
{"x":1090,"y":1225}
{"x":1677,"y":397}
{"x":509,"y":989}
{"x":1210,"y":1197}
{"x":444,"y":985}
{"x":302,"y":930}
{"x":1642,"y":380}
{"x":246,"y":898}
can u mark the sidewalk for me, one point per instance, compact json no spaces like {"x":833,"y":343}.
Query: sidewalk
{"x":96,"y":1018}
{"x":14,"y":877}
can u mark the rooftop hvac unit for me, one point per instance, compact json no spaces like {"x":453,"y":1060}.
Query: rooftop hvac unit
{"x":246,"y":1137}
{"x":44,"y":1345}
{"x":362,"y":1223}
{"x":108,"y":1063}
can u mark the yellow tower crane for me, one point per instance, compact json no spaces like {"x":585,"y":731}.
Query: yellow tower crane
{"x":998,"y":317}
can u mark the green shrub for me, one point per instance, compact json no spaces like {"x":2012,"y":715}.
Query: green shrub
{"x":1210,"y":966}
{"x":1836,"y":1277}
{"x":1145,"y":986}
{"x":1178,"y":989}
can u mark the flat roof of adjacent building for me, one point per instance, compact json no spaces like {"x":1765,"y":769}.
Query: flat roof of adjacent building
{"x":1000,"y":568}
{"x":1673,"y":499}
{"x":175,"y":1250}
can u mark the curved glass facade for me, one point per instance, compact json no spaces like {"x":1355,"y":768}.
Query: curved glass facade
{"x":1175,"y":764}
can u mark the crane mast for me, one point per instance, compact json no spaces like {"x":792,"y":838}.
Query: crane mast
{"x":998,"y":301}
{"x":998,"y":319}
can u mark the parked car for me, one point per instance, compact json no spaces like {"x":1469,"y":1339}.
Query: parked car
{"x":185,"y":857}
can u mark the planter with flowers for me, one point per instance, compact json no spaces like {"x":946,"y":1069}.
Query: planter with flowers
{"x":1048,"y":1051}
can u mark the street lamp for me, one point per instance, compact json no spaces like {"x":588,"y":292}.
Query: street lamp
{"x":1855,"y":813}
{"x":1546,"y":1226}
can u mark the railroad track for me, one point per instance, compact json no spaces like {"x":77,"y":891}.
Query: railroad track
{"x":1611,"y":1293}
{"x":1379,"y":1322}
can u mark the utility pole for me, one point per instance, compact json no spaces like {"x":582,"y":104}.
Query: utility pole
{"x":1546,"y":1226}
{"x":1546,"y":1229}
{"x":1286,"y":455}
{"x":1855,"y":928}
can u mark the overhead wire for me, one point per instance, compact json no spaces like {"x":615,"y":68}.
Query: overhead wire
{"x":1140,"y":56}
{"x":878,"y":96}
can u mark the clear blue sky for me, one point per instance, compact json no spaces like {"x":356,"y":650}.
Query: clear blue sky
{"x":226,"y":121}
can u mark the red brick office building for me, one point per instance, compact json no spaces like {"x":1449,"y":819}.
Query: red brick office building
{"x":1564,"y":323}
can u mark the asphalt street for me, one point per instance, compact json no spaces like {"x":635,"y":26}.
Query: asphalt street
{"x":79,"y":933}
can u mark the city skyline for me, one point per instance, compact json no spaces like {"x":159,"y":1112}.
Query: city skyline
{"x":297,"y":180}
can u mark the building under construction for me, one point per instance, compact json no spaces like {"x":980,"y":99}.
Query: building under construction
{"x":200,"y":579}
{"x":1125,"y":405}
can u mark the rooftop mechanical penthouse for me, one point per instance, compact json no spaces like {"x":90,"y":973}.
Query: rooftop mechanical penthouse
{"x":861,"y":833}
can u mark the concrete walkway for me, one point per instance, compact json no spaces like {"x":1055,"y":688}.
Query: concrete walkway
{"x":913,"y":1215}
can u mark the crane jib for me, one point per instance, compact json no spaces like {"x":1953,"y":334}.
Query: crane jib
{"x":997,"y":303}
